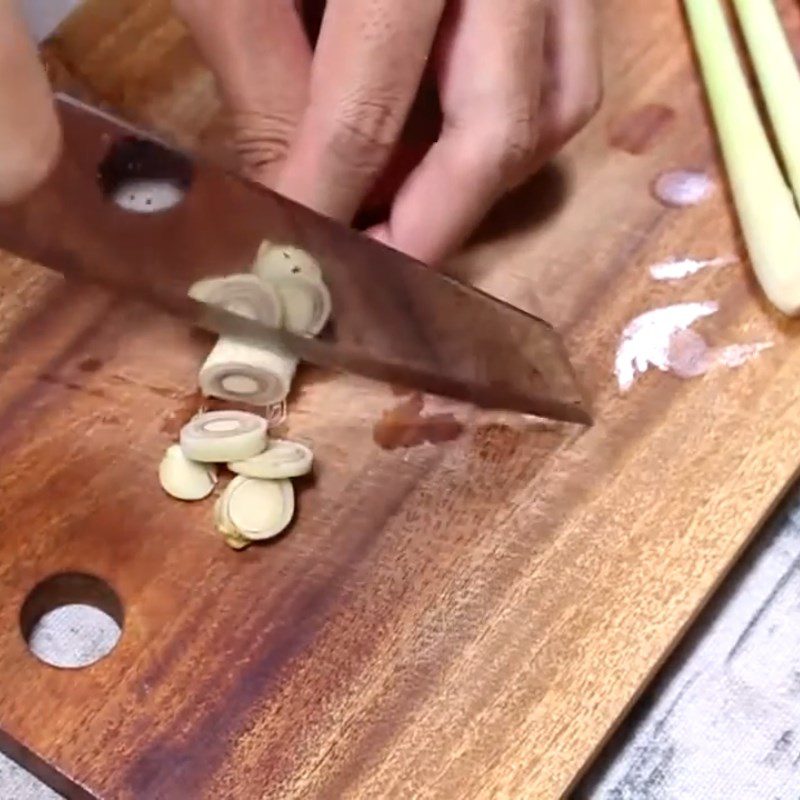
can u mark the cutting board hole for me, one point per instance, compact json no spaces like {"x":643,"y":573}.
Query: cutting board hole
{"x":72,"y":620}
{"x":143,"y":177}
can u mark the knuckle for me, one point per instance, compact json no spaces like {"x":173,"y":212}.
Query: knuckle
{"x":508,"y":149}
{"x":262,"y":139}
{"x":364,"y":133}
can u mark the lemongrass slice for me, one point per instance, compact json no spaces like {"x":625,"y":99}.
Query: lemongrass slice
{"x":281,"y":459}
{"x":184,"y":479}
{"x":258,"y":509}
{"x":231,"y":536}
{"x":221,"y":436}
{"x":237,"y":371}
{"x":765,"y":206}
{"x":275,"y":262}
{"x":306,"y":305}
{"x":245,"y":295}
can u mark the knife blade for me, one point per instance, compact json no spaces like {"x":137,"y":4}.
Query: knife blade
{"x":394,"y":319}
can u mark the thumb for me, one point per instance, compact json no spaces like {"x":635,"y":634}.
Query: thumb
{"x":29,"y":132}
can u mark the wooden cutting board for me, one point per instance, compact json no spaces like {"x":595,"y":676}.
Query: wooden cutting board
{"x":461,"y":620}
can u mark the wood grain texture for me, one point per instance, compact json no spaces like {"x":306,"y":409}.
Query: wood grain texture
{"x":465,"y":620}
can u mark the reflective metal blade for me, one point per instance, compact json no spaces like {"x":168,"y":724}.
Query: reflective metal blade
{"x":394,"y":319}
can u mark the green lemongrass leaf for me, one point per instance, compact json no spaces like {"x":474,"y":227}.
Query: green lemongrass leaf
{"x":778,"y":77}
{"x":767,"y":214}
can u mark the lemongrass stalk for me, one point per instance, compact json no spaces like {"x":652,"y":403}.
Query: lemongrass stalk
{"x":778,"y":77}
{"x":767,"y":214}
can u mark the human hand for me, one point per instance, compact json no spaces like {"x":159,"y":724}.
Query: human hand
{"x":29,"y":132}
{"x":516,"y":79}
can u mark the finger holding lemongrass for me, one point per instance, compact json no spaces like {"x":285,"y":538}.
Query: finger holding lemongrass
{"x":766,"y":208}
{"x":222,"y":436}
{"x":282,"y":459}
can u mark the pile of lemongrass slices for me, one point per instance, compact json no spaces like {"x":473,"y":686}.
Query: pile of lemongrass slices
{"x":258,"y":503}
{"x":767,"y":211}
{"x":285,"y":289}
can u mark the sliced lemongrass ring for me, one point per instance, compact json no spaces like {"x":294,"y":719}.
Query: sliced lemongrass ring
{"x":221,"y":436}
{"x":306,"y":305}
{"x":225,"y":527}
{"x":244,"y":295}
{"x":258,"y":509}
{"x":183,"y":478}
{"x":241,"y":372}
{"x":275,"y":262}
{"x":282,"y":459}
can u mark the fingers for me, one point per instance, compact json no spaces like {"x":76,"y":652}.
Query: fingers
{"x":29,"y":132}
{"x":261,"y":58}
{"x":367,"y":67}
{"x":490,"y":128}
{"x":574,"y":87}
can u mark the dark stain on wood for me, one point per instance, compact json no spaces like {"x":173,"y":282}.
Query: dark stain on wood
{"x":74,"y":386}
{"x":90,"y":364}
{"x":640,"y":130}
{"x":406,"y":426}
{"x":36,"y":333}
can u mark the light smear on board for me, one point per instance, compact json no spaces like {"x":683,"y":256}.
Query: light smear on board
{"x":734,"y":355}
{"x":661,"y":339}
{"x":676,"y":269}
{"x":679,"y":188}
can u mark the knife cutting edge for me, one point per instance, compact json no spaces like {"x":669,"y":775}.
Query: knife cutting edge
{"x":394,"y":319}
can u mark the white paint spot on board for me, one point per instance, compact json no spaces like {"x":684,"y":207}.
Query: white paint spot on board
{"x":676,"y":269}
{"x":682,"y":187}
{"x":645,"y":341}
{"x":662,"y":339}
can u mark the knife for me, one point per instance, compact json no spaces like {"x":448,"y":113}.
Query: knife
{"x":394,"y":319}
